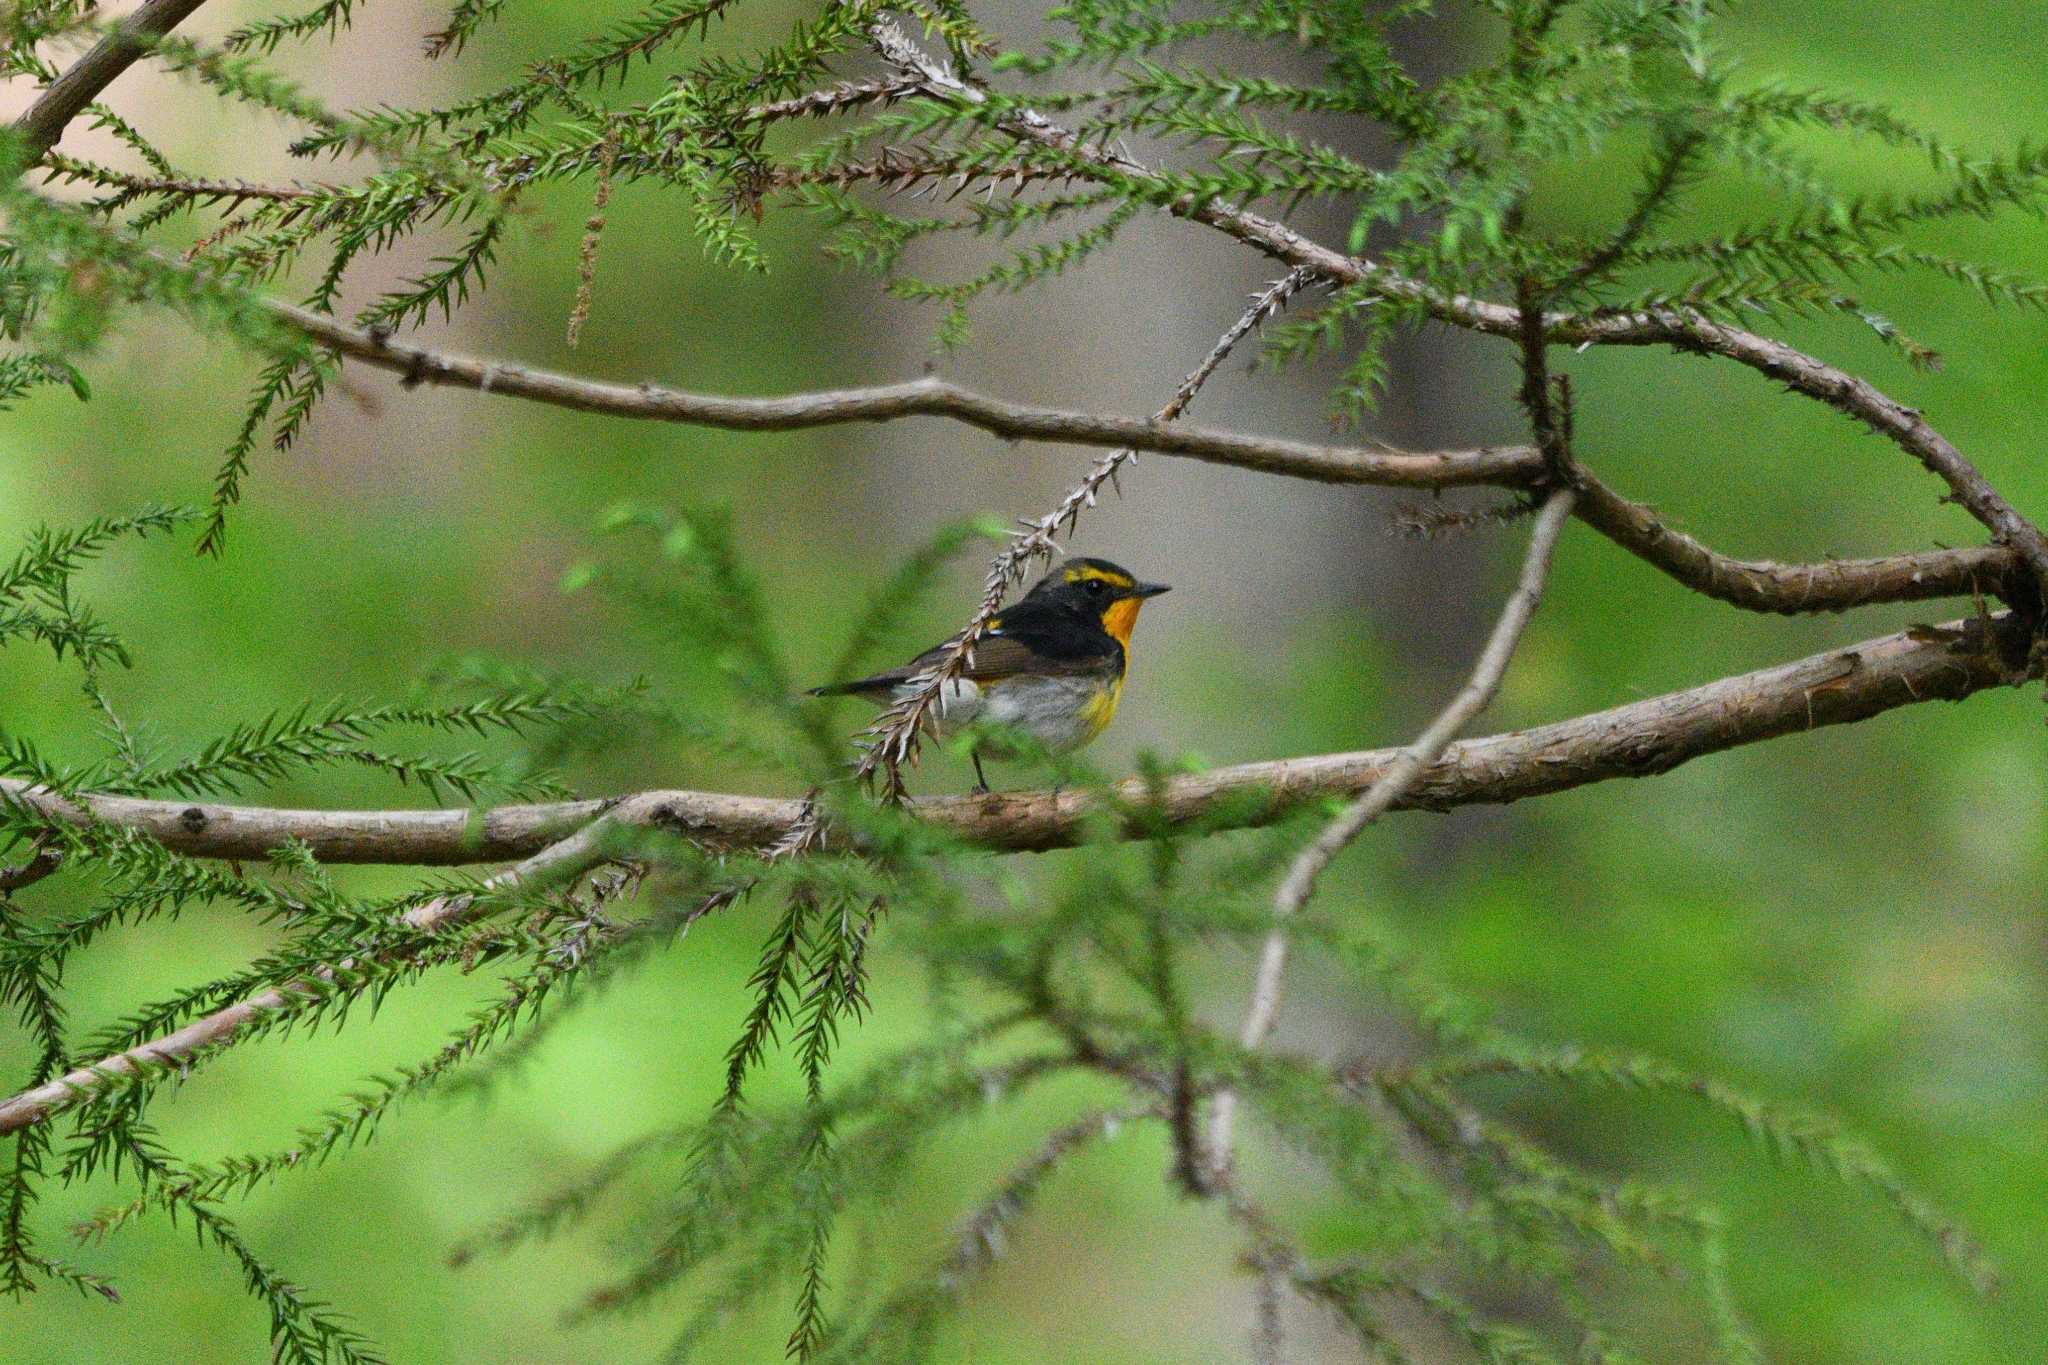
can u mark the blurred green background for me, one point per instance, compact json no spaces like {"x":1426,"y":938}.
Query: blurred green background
{"x":1851,"y":919}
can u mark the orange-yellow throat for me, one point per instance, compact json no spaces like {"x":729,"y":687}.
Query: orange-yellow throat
{"x":1119,"y":617}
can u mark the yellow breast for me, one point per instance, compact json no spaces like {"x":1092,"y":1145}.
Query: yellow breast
{"x":1117,"y":620}
{"x":1101,"y":708}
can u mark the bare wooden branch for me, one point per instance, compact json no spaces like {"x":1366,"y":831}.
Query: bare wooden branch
{"x":45,"y":120}
{"x":1791,"y":589}
{"x":414,"y":838}
{"x":928,"y":396}
{"x":1408,"y":765}
{"x":1859,"y":399}
{"x":1639,"y":739}
{"x":1393,"y":781}
{"x":1803,"y":373}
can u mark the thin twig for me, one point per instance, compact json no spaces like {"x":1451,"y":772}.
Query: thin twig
{"x":834,"y":99}
{"x":1271,"y":1257}
{"x":1547,"y":419}
{"x":1183,"y":1123}
{"x":1671,"y":170}
{"x":983,"y":1236}
{"x":62,"y":167}
{"x":1394,"y":781}
{"x":1269,"y":1342}
{"x":567,"y":858}
{"x":593,"y":233}
{"x":892,"y":740}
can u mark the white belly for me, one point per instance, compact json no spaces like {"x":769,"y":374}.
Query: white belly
{"x":1053,"y":711}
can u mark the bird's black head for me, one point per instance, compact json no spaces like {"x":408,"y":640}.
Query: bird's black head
{"x":1098,"y":590}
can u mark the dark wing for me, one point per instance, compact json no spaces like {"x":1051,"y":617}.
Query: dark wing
{"x":1022,"y":643}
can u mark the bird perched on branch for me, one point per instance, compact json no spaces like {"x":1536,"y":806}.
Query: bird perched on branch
{"x":1051,"y":667}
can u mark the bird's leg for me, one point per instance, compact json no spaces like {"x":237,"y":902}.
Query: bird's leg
{"x":980,"y":781}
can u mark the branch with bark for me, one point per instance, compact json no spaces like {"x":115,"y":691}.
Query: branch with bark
{"x":1756,"y":585}
{"x":1925,"y":663}
{"x":1945,"y":662}
{"x":44,"y":122}
{"x":927,"y":396}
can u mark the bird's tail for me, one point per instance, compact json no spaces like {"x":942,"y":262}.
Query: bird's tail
{"x":846,"y":689}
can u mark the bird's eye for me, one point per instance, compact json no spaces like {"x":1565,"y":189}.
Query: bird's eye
{"x":1097,"y":586}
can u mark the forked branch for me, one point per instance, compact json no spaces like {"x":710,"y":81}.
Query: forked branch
{"x":1755,"y":585}
{"x":1687,"y":331}
{"x":560,"y":861}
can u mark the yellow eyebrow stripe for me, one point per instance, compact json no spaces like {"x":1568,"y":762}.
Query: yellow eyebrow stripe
{"x":1087,"y":572}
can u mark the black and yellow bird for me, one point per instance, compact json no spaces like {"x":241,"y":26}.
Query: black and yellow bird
{"x":1052,"y":667}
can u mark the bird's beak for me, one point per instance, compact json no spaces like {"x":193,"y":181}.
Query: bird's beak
{"x":1151,"y":589}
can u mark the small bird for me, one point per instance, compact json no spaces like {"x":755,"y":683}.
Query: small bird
{"x":1051,"y":667}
